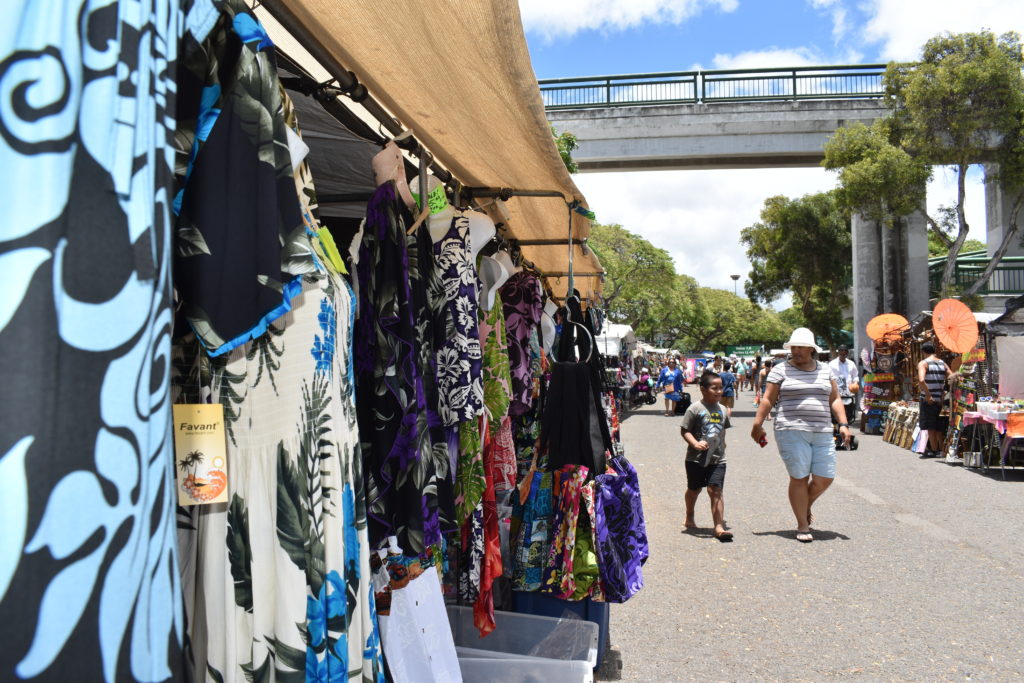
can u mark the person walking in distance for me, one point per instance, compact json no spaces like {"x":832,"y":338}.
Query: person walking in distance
{"x":740,"y":370}
{"x":806,"y":393}
{"x":932,"y":373}
{"x":671,"y":379}
{"x":728,"y":385}
{"x":755,"y":378}
{"x":844,"y":372}
{"x":703,"y":430}
{"x":762,"y":379}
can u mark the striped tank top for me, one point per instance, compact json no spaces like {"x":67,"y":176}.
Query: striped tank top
{"x":935,"y":378}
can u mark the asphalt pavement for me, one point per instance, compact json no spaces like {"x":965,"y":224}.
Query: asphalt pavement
{"x":916,"y":572}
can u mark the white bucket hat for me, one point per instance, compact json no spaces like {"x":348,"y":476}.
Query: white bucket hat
{"x":492,"y":276}
{"x":547,"y":325}
{"x":801,"y":337}
{"x":504,"y":259}
{"x":481,"y":231}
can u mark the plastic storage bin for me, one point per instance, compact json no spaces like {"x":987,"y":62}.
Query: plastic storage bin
{"x":525,"y":636}
{"x":525,"y":670}
{"x":595,"y":612}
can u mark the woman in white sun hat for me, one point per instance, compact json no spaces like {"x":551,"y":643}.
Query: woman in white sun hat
{"x":806,"y":393}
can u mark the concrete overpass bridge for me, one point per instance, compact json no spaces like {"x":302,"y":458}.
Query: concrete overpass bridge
{"x":757,"y":118}
{"x":760,"y":118}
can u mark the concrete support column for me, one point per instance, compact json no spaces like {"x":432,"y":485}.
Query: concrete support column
{"x":915,"y":237}
{"x":892,"y":268}
{"x":867,"y":277}
{"x":998,"y":205}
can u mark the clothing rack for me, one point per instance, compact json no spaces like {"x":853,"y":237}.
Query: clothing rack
{"x":537,"y":243}
{"x":506,"y":193}
{"x":345,"y":82}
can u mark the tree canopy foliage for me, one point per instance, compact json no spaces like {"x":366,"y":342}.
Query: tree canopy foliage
{"x":937,"y":248}
{"x":643,"y":290}
{"x":566,"y":144}
{"x":803,"y":246}
{"x":635,"y":271}
{"x":962,"y":103}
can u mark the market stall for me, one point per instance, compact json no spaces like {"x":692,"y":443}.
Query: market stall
{"x":331,"y":267}
{"x":979,"y":406}
{"x":616,"y":341}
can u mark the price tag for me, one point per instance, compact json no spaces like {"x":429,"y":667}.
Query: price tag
{"x":200,"y":453}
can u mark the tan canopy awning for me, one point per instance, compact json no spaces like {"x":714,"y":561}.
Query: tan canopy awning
{"x":458,"y":75}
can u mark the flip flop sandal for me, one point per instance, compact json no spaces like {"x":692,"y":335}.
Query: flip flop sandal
{"x":724,"y":537}
{"x":804,"y":536}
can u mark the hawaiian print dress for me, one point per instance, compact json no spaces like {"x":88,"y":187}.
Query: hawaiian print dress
{"x":521,"y":297}
{"x":287,"y":595}
{"x":401,"y":468}
{"x":277,"y":582}
{"x":459,"y":380}
{"x":89,"y":587}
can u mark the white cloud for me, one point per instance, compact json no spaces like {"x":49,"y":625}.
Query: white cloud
{"x":903,"y":26}
{"x":567,"y":17}
{"x":839,"y":24}
{"x":764,"y":59}
{"x":697,"y":215}
{"x":942,"y":192}
{"x":838,"y":11}
{"x":783,"y":57}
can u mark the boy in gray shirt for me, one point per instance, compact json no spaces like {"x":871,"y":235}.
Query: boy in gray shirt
{"x":703,"y":429}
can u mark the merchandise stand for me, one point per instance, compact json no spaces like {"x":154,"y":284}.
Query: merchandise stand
{"x":365,"y":297}
{"x":984,"y":413}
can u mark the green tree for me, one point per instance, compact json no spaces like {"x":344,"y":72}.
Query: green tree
{"x":937,"y":248}
{"x":963,"y":103}
{"x":792,"y":317}
{"x":802,"y":246}
{"x":876,"y":178}
{"x":566,"y":144}
{"x":670,"y":309}
{"x":696,"y":318}
{"x":637,"y":274}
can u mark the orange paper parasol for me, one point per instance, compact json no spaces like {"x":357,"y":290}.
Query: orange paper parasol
{"x":955,"y":325}
{"x":884,"y":325}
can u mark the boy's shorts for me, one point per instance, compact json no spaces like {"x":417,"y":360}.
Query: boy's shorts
{"x":698,"y":476}
{"x":807,"y":453}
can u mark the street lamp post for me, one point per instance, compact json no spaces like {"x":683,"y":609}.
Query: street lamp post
{"x":735,"y":279}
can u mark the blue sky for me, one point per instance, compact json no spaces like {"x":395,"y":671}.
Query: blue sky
{"x":697,"y":215}
{"x":652,"y":46}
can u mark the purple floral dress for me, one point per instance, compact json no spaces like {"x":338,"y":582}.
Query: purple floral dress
{"x":459,"y":379}
{"x":521,"y":298}
{"x":401,"y":473}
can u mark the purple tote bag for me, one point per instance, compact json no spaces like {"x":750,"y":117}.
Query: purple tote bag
{"x":620,"y":531}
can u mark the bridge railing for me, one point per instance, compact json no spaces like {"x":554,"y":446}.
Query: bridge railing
{"x":677,"y":87}
{"x":1006,"y":278}
{"x":729,"y":85}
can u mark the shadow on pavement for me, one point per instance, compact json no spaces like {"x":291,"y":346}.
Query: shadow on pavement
{"x":657,"y":410}
{"x":699,"y":532}
{"x":819,"y":534}
{"x":994,"y":472}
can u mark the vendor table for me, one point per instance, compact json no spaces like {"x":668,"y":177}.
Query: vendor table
{"x":996,"y":437}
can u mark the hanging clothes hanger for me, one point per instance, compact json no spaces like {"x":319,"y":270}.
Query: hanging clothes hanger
{"x":569,"y":317}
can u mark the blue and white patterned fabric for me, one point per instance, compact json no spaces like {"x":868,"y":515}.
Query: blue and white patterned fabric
{"x":89,"y":582}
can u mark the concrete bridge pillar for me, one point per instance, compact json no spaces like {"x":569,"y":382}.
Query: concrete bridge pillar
{"x":890,"y":270}
{"x":867,"y":276}
{"x":998,"y":204}
{"x":915,"y":234}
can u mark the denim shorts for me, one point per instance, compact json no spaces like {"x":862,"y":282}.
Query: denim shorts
{"x":807,"y":452}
